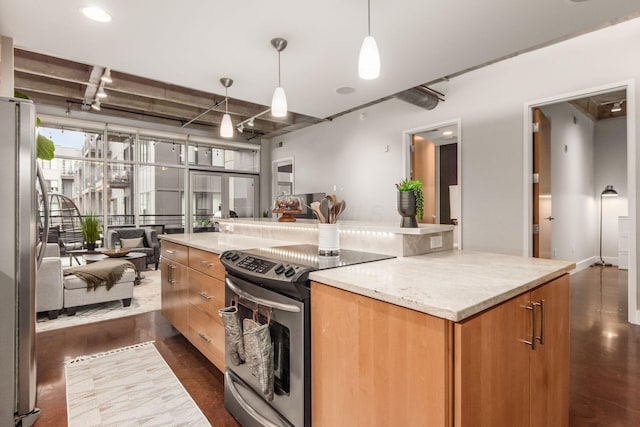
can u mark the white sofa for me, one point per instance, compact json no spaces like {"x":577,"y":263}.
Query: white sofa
{"x":49,"y":282}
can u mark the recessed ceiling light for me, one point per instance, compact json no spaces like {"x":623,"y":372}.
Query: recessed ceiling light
{"x":96,"y":13}
{"x":345,"y":90}
{"x":447,"y":133}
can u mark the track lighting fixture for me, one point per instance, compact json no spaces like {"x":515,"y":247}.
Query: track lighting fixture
{"x":240,"y":128}
{"x":617,"y":107}
{"x":369,"y":59}
{"x":106,"y":76}
{"x":279,"y":100}
{"x":96,"y":105}
{"x":250,"y":123}
{"x":101,"y":93}
{"x":226,"y":126}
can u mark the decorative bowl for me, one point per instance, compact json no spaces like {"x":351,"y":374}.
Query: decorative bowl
{"x":116,"y":253}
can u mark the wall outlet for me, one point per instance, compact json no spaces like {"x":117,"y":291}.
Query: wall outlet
{"x":436,"y":242}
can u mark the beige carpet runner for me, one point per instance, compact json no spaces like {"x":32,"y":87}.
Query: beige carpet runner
{"x":131,"y":386}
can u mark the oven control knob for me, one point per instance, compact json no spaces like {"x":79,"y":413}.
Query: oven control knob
{"x":235,"y":257}
{"x":290,"y":272}
{"x":228,"y":255}
{"x":279,"y":269}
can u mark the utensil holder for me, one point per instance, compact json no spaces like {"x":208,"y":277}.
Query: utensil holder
{"x":328,"y":240}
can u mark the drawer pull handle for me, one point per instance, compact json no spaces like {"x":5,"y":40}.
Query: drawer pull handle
{"x":206,"y":264}
{"x":204,"y":295}
{"x":204,"y":337}
{"x":170,"y":251}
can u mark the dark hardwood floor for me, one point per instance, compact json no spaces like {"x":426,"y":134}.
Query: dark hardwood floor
{"x":198,"y":376}
{"x":605,"y":357}
{"x":605,"y":351}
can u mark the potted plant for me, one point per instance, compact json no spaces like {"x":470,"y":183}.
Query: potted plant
{"x":410,"y":202}
{"x":90,"y":230}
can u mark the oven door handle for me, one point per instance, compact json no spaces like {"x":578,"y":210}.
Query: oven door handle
{"x":228,"y":379}
{"x":261,"y":301}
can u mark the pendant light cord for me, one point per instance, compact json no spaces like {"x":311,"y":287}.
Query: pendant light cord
{"x":226,"y":101}
{"x":279,"y":85}
{"x":369,"y":16}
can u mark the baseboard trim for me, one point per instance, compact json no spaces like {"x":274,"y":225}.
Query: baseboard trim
{"x":585,"y":263}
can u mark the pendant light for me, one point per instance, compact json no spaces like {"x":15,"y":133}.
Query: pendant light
{"x":279,"y":100}
{"x":369,"y":60}
{"x":226,"y":127}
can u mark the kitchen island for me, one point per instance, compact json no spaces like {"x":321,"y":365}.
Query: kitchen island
{"x":446,"y":338}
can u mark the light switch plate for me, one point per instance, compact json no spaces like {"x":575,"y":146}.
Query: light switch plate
{"x":436,"y":242}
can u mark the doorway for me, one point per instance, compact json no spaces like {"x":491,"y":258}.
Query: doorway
{"x":577,"y":146}
{"x":221,"y":195}
{"x":432,"y":156}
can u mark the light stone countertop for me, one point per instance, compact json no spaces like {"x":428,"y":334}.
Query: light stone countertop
{"x":220,"y":242}
{"x":452,"y":285}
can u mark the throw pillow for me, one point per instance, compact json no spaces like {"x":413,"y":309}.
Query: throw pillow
{"x":132,"y":243}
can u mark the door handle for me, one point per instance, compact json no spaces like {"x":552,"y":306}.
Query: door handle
{"x":540,"y":304}
{"x":205,"y":264}
{"x":534,"y":319}
{"x":549,"y":218}
{"x":170,"y":251}
{"x":261,"y":301}
{"x":170,"y":279}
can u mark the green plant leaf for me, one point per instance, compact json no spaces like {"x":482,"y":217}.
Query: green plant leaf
{"x":20,"y":95}
{"x":44,"y":148}
{"x":415,"y":186}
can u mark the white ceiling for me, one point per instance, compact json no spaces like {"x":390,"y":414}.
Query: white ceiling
{"x":193,"y":43}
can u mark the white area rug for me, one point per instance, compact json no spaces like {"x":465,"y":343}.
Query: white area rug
{"x":131,"y":386}
{"x":146,"y":297}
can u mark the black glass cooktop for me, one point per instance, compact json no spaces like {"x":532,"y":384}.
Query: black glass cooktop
{"x":307,"y":255}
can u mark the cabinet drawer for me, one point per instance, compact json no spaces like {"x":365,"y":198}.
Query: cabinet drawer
{"x":206,"y":262}
{"x":175,"y":252}
{"x":206,"y":293}
{"x":207,"y":336}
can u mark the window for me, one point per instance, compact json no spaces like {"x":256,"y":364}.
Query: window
{"x":134,"y":179}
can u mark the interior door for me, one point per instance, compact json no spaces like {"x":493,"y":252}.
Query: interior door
{"x":222,"y":195}
{"x":542,"y":202}
{"x":207,"y":199}
{"x":423,"y":168}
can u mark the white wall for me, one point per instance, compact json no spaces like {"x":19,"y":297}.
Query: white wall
{"x":6,"y":66}
{"x":611,"y":169}
{"x":575,"y":227}
{"x":490,"y":102}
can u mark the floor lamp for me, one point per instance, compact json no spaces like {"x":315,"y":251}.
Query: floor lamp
{"x":607,"y":192}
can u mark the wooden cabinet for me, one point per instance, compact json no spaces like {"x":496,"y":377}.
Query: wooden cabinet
{"x":192,"y":294}
{"x":206,"y":297}
{"x":512,"y":362}
{"x":174,"y":292}
{"x":377,"y":364}
{"x":550,"y":361}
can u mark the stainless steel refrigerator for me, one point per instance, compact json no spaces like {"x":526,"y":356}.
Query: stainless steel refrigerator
{"x":18,"y":210}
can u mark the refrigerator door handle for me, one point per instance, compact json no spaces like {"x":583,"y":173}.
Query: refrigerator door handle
{"x":45,"y":204}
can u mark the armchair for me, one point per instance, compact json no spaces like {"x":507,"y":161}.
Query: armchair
{"x":150,"y":244}
{"x":49,"y":282}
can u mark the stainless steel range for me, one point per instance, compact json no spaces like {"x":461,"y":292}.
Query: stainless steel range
{"x":271,"y":286}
